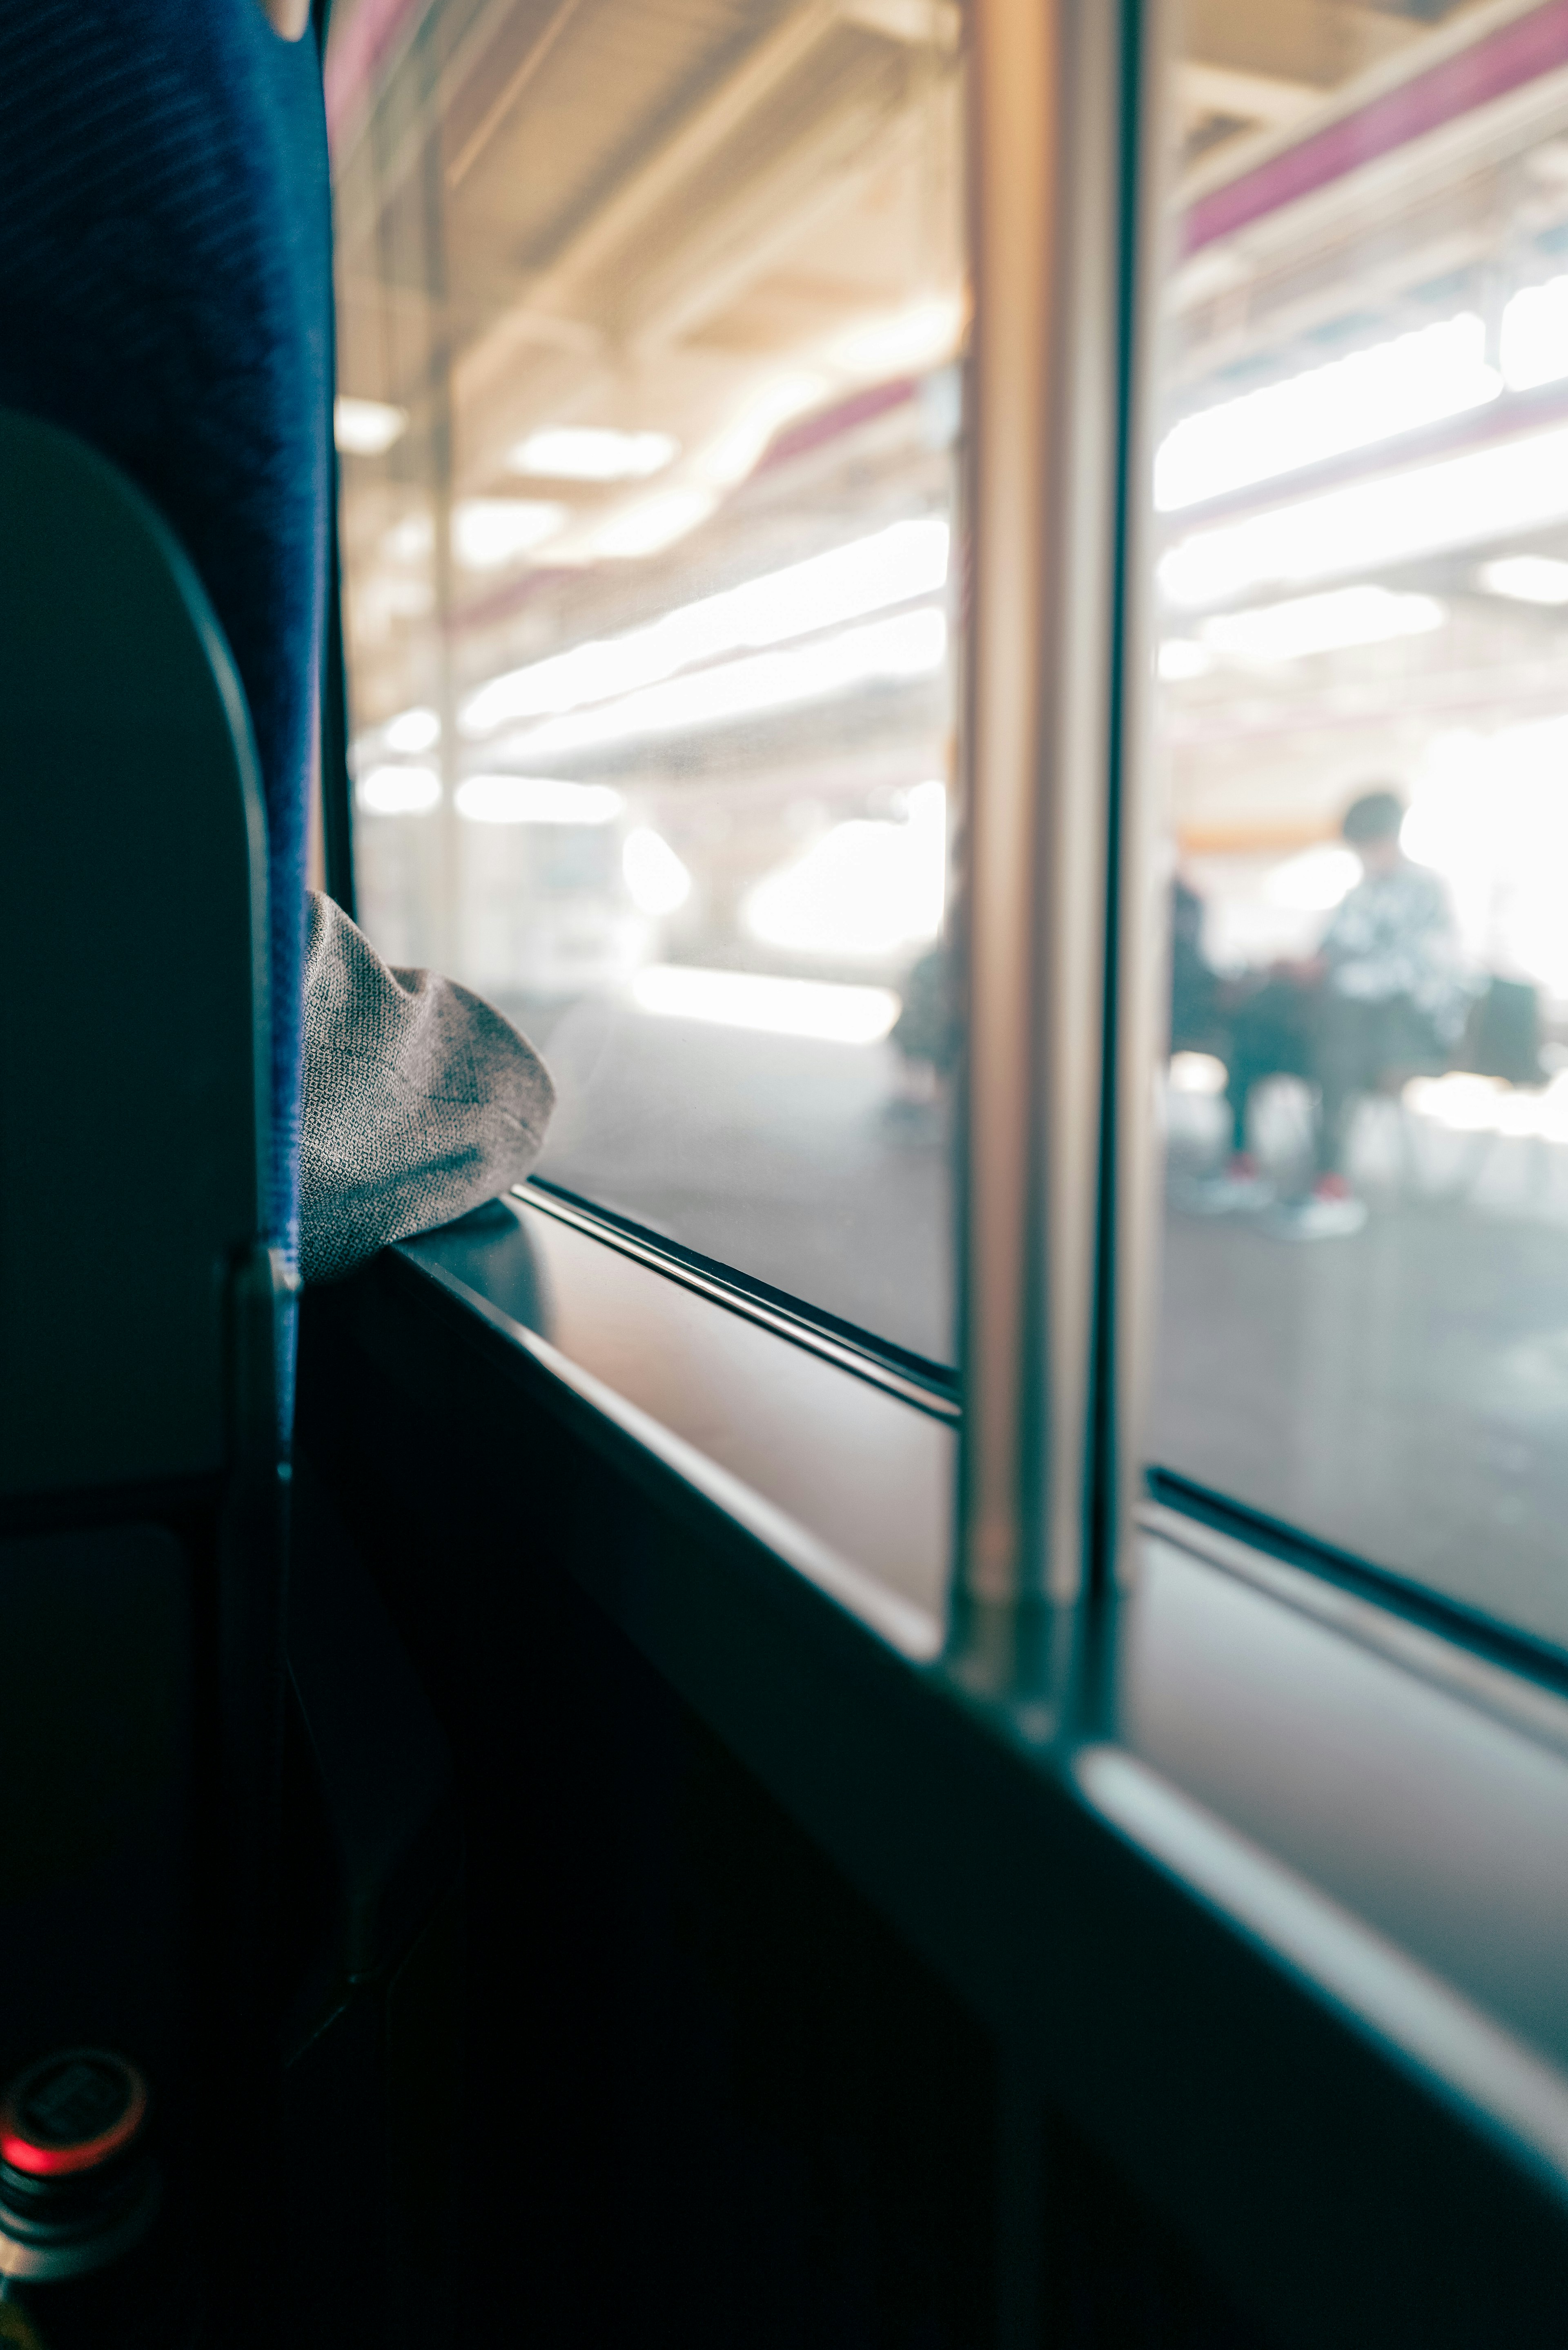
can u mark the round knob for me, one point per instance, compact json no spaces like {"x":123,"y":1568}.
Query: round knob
{"x":78,"y":2184}
{"x":72,"y":2113}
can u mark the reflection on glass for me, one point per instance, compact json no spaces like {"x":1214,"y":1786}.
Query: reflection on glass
{"x":1362,"y":493}
{"x":648,"y":338}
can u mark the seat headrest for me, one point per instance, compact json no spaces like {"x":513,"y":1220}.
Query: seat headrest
{"x":165,"y":279}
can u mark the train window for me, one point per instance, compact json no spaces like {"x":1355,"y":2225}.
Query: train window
{"x":650,"y":326}
{"x":1361,"y":495}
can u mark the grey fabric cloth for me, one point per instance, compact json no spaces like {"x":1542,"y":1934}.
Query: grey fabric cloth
{"x":418,"y":1102}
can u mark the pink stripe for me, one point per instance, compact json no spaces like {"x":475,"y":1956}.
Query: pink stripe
{"x":827,"y":423}
{"x":1515,"y":54}
{"x":355,"y":54}
{"x":503,"y":600}
{"x":1515,"y":414}
{"x":811,"y":433}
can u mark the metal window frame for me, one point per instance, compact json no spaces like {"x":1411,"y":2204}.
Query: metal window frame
{"x":1061,"y":932}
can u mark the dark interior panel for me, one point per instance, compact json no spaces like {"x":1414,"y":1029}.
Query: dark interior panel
{"x":711,"y":2096}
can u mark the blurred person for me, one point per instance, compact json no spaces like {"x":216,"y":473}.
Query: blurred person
{"x":1385,"y":996}
{"x":1196,"y":1024}
{"x":925,"y":1036}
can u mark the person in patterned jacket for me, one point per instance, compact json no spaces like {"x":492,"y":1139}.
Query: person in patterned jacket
{"x":1386,"y":994}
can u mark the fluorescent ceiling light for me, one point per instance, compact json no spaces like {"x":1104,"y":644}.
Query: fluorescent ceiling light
{"x":399,"y":791}
{"x":1486,"y":494}
{"x":906,"y":342}
{"x":1415,"y":378}
{"x":592,"y":452}
{"x":735,"y":452}
{"x":652,"y":524}
{"x":1467,"y":1104}
{"x":934,"y":24}
{"x":1321,"y":624}
{"x":489,"y":532}
{"x":535,"y":799}
{"x":1197,"y":1072}
{"x":893,"y":566}
{"x":384,"y":595}
{"x":1533,"y":342}
{"x":1326,"y":412}
{"x":1181,"y":657}
{"x":364,"y":428}
{"x":912,"y":644}
{"x":656,"y":878}
{"x":411,"y":729}
{"x":864,"y":889}
{"x":781,"y":1007}
{"x":410,"y":540}
{"x":1314,"y":881}
{"x":1530,"y":578}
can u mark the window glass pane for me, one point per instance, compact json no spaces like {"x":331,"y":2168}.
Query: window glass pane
{"x":1362,"y":496}
{"x":650,"y":319}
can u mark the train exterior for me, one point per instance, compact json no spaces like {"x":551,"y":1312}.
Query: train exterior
{"x":912,"y":1692}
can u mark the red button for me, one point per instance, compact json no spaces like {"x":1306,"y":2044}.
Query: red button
{"x":71,"y":2112}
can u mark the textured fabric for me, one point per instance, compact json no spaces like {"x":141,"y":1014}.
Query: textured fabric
{"x":165,"y":283}
{"x":419,"y":1101}
{"x":1394,"y":935}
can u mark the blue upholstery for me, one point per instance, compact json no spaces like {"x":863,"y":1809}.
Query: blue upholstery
{"x":165,"y":292}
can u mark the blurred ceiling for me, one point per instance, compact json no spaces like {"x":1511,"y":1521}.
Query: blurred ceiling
{"x":626,"y":213}
{"x":1246,"y":68}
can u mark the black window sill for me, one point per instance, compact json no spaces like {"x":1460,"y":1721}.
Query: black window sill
{"x":1295,"y":1887}
{"x":844,"y":1469}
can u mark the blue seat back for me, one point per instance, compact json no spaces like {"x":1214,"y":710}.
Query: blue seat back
{"x":165,"y":280}
{"x":133,"y":1109}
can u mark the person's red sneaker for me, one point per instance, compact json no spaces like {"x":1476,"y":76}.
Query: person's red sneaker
{"x":1331,"y":1212}
{"x":1241,"y":1185}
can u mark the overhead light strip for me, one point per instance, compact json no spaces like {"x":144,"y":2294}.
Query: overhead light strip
{"x":895,"y":566}
{"x":909,"y":645}
{"x":1508,"y":487}
{"x":821,"y":1009}
{"x":1375,"y":395}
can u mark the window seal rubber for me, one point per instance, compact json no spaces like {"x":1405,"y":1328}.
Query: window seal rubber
{"x":913,"y":1377}
{"x":1232,"y":1528}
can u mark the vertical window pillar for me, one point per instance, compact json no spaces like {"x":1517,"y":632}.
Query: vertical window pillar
{"x":1052,"y":153}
